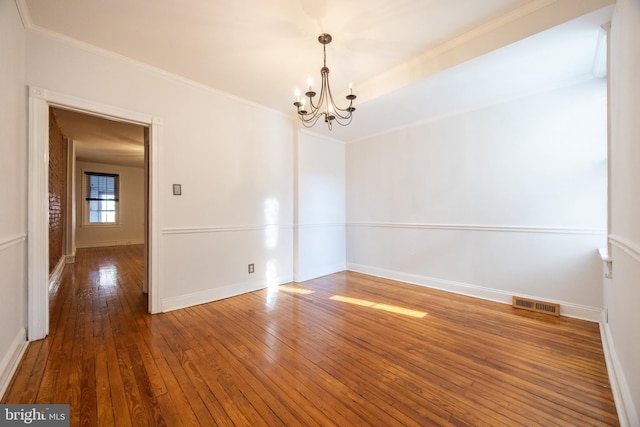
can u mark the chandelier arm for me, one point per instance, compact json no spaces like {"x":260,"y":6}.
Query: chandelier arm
{"x":315,"y":113}
{"x":335,"y":106}
{"x":315,"y":108}
{"x":332,"y":112}
{"x":337,"y":111}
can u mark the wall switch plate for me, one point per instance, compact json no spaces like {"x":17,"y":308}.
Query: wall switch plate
{"x":251,"y":269}
{"x":177,"y":189}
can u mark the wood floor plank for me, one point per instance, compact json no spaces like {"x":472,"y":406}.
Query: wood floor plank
{"x":297,"y":355}
{"x":368,"y":343}
{"x":249,"y":350}
{"x":324,"y":392}
{"x":105,"y":415}
{"x":34,"y":360}
{"x":274,"y":413}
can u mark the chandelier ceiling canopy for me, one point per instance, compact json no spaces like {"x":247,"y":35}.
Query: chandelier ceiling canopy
{"x":309,"y":111}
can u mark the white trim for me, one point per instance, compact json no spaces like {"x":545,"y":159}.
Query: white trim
{"x":627,"y":414}
{"x":86,"y":211}
{"x":70,"y":214}
{"x":37,"y":242}
{"x":604,"y":254}
{"x":607,"y":263}
{"x":12,"y":241}
{"x":106,"y":243}
{"x":479,"y":227}
{"x":625,"y":245}
{"x":303,"y":276}
{"x":37,"y":219}
{"x":57,"y":271}
{"x":196,"y":298}
{"x":592,"y":314}
{"x":153,"y":226}
{"x":550,"y":87}
{"x":148,"y":67}
{"x":308,"y":274}
{"x":12,"y":359}
{"x":98,"y":225}
{"x":25,"y":16}
{"x":69,"y":102}
{"x":222,"y":228}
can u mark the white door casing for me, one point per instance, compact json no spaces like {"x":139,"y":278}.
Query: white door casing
{"x":38,"y":199}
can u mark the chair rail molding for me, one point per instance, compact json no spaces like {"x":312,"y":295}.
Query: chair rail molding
{"x":625,"y":245}
{"x":480,"y":227}
{"x":12,"y":241}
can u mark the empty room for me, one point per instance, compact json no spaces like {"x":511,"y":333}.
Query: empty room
{"x":313,"y":212}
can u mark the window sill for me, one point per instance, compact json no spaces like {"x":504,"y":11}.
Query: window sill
{"x":607,"y":264}
{"x":100,"y":225}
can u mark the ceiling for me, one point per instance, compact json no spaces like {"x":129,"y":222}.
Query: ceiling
{"x":408,"y":59}
{"x":102,"y":140}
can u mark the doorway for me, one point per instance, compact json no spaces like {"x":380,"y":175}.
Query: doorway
{"x":40,"y":101}
{"x":106,"y":184}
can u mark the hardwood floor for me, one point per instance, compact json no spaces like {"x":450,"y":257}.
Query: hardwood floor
{"x":345,"y":349}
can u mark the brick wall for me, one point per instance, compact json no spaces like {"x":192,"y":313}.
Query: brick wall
{"x":57,"y":191}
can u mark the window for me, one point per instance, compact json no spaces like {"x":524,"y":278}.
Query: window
{"x":101,"y":196}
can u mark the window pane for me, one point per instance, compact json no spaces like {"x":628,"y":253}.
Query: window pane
{"x":102,"y":197}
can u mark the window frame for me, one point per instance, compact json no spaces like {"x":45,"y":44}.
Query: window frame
{"x":86,"y":211}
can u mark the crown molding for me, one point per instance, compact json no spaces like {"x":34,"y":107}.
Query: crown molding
{"x":96,"y":50}
{"x":525,"y":21}
{"x":25,"y":16}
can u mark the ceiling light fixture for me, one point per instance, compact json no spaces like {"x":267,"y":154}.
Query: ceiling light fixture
{"x":326,"y":106}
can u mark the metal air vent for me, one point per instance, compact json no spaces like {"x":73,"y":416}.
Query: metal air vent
{"x":537,"y":306}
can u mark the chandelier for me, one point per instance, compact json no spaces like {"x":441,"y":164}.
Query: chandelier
{"x":325,"y":107}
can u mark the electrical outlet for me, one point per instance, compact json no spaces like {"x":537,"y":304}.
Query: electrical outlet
{"x":251,"y":269}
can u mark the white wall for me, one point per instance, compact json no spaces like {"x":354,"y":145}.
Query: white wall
{"x":509,"y":199}
{"x":13,"y":208}
{"x":130,"y":227}
{"x":320,"y":208}
{"x":622,"y":294}
{"x":233,"y":159}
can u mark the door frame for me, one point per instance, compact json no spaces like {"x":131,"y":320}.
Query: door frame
{"x":38,"y":200}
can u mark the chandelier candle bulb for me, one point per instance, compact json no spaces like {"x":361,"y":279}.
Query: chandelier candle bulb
{"x":326,"y":106}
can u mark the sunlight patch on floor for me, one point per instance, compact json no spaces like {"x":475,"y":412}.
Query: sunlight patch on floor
{"x":379,"y":306}
{"x":295,"y":290}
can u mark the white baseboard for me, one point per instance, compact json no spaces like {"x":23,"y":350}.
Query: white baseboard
{"x":12,"y":359}
{"x":627,"y":414}
{"x":57,"y":271}
{"x":106,"y":243}
{"x":314,"y":274}
{"x":197,"y":298}
{"x":592,"y":314}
